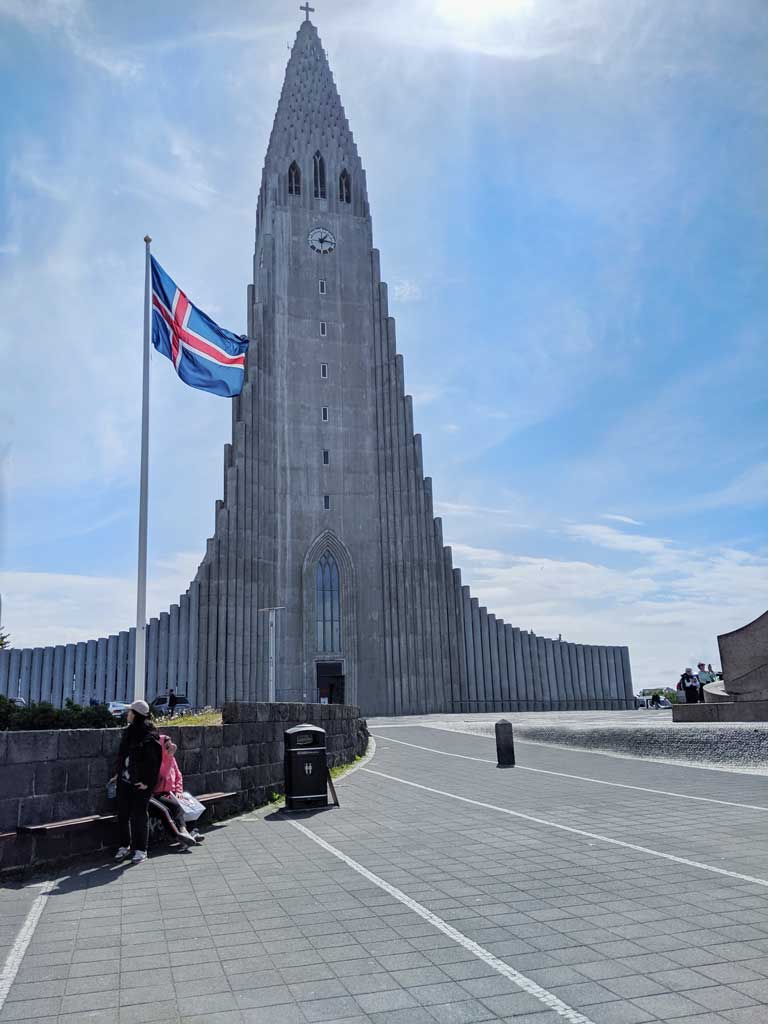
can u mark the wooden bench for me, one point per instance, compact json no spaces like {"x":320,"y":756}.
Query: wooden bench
{"x":102,"y":819}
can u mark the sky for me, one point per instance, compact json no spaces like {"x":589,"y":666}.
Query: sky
{"x":570,"y":201}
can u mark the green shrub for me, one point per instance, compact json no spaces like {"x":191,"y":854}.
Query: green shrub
{"x":45,"y":716}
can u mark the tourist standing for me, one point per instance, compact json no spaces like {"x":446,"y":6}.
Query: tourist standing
{"x":172,"y":702}
{"x":690,"y":686}
{"x":137,"y":769}
{"x":704,"y":676}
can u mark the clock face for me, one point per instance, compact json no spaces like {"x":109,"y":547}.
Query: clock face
{"x":321,"y":240}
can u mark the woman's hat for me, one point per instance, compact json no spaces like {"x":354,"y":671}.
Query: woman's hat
{"x":140,"y":707}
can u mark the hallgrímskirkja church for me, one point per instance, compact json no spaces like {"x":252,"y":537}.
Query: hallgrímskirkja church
{"x":326,"y":577}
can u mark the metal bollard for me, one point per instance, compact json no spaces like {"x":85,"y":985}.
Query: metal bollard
{"x":505,"y":744}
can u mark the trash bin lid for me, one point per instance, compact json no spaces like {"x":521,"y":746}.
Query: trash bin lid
{"x":304,"y":736}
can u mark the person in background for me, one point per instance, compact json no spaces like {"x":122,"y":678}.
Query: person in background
{"x":161,"y":802}
{"x":705,"y":675}
{"x":136,"y":772}
{"x":690,"y":686}
{"x":172,"y":702}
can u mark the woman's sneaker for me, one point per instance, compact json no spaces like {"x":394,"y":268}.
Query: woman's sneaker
{"x":139,"y":856}
{"x":123,"y":852}
{"x":186,"y":838}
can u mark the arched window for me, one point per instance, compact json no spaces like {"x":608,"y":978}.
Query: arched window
{"x":328,"y":604}
{"x":294,"y":180}
{"x":345,"y":187}
{"x":320,"y":191}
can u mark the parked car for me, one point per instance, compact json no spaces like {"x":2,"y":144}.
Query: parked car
{"x":160,"y":704}
{"x":643,"y":702}
{"x":117,"y":708}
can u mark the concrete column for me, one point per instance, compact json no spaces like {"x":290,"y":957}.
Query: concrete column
{"x":385,"y":498}
{"x":130,"y":675}
{"x":494,"y":689}
{"x":438,"y":624}
{"x":589,"y":678}
{"x":80,"y":657}
{"x":173,"y":649}
{"x":415,"y":699}
{"x":540,"y":692}
{"x":5,"y":664}
{"x":239,"y":552}
{"x":469,"y":646}
{"x":548,"y":681}
{"x":521,"y":691}
{"x":504,"y":680}
{"x":561,"y":695}
{"x":604,"y":683}
{"x":416,"y":562}
{"x":230,"y":679}
{"x":100,"y":679}
{"x":89,"y":692}
{"x":565,"y":657}
{"x":36,"y":685}
{"x":25,"y":674}
{"x":14,"y":670}
{"x":214,"y":599}
{"x":182,"y":665}
{"x":121,"y":678}
{"x":162,"y":653}
{"x":613,"y":689}
{"x":204,"y":632}
{"x":513,"y":683}
{"x":477,"y":634}
{"x":581,"y":676}
{"x":627,"y":676}
{"x":57,"y":692}
{"x":46,"y":683}
{"x":193,"y":636}
{"x":153,"y":636}
{"x":463,"y":680}
{"x":110,"y":690}
{"x":69,"y":671}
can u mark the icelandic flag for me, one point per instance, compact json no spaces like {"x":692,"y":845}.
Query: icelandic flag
{"x":205,"y":355}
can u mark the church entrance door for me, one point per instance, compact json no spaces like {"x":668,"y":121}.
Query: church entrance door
{"x":330,"y":682}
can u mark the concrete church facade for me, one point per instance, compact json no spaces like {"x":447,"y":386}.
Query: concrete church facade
{"x":326,"y":576}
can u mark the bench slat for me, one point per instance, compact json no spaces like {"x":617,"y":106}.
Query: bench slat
{"x":93,"y":819}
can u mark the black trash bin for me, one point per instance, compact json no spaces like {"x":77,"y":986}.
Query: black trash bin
{"x":306,"y":768}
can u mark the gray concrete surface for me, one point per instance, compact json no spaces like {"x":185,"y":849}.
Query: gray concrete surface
{"x":628,"y":905}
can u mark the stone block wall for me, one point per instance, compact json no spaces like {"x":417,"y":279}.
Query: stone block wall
{"x":60,"y":774}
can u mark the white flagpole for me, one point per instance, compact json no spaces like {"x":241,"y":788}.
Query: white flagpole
{"x":141,"y":587}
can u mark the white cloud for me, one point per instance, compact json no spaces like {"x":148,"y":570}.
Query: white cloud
{"x":620,"y":519}
{"x":45,"y":609}
{"x":406,"y":291}
{"x":608,"y":537}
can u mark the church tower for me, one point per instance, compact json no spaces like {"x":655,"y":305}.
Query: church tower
{"x":326,"y":577}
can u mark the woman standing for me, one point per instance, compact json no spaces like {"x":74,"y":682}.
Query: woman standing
{"x":137,"y":769}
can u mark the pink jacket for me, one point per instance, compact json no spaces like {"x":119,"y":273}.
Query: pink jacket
{"x":170,"y":779}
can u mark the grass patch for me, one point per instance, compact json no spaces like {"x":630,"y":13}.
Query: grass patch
{"x":203,"y":718}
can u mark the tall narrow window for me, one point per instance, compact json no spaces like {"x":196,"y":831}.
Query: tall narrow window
{"x":328,"y":604}
{"x":345,"y":187}
{"x":323,"y":370}
{"x":323,"y":328}
{"x":321,"y":286}
{"x":325,"y":414}
{"x":294,"y":180}
{"x":319,"y":168}
{"x":326,"y":457}
{"x":326,"y":501}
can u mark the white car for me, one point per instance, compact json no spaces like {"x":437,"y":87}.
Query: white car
{"x":117,"y":708}
{"x":643,"y":702}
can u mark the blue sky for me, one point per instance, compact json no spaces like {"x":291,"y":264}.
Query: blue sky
{"x":569,"y":198}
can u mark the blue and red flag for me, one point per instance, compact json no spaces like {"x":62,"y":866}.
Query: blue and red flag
{"x":205,"y":355}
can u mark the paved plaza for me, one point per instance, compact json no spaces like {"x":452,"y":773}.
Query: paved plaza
{"x":576,"y":887}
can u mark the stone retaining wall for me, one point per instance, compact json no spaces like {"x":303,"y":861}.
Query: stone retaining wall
{"x":59,"y":774}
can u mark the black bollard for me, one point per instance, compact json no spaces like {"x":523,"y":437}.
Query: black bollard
{"x":505,"y":744}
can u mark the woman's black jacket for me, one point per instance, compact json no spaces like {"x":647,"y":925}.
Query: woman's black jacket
{"x":141,"y":745}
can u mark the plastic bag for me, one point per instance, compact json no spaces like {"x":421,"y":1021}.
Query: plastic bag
{"x":190,"y":807}
{"x":111,"y":790}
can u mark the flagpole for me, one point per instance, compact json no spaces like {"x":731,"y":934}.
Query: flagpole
{"x":141,"y":586}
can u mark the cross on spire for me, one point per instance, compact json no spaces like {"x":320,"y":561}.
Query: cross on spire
{"x":307,"y":10}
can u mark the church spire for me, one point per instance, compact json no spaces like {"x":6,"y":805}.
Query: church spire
{"x":311,"y":131}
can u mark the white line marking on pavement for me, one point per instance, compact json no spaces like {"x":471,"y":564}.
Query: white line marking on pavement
{"x":23,"y":939}
{"x":549,"y":999}
{"x":580,"y":778}
{"x":577,"y":831}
